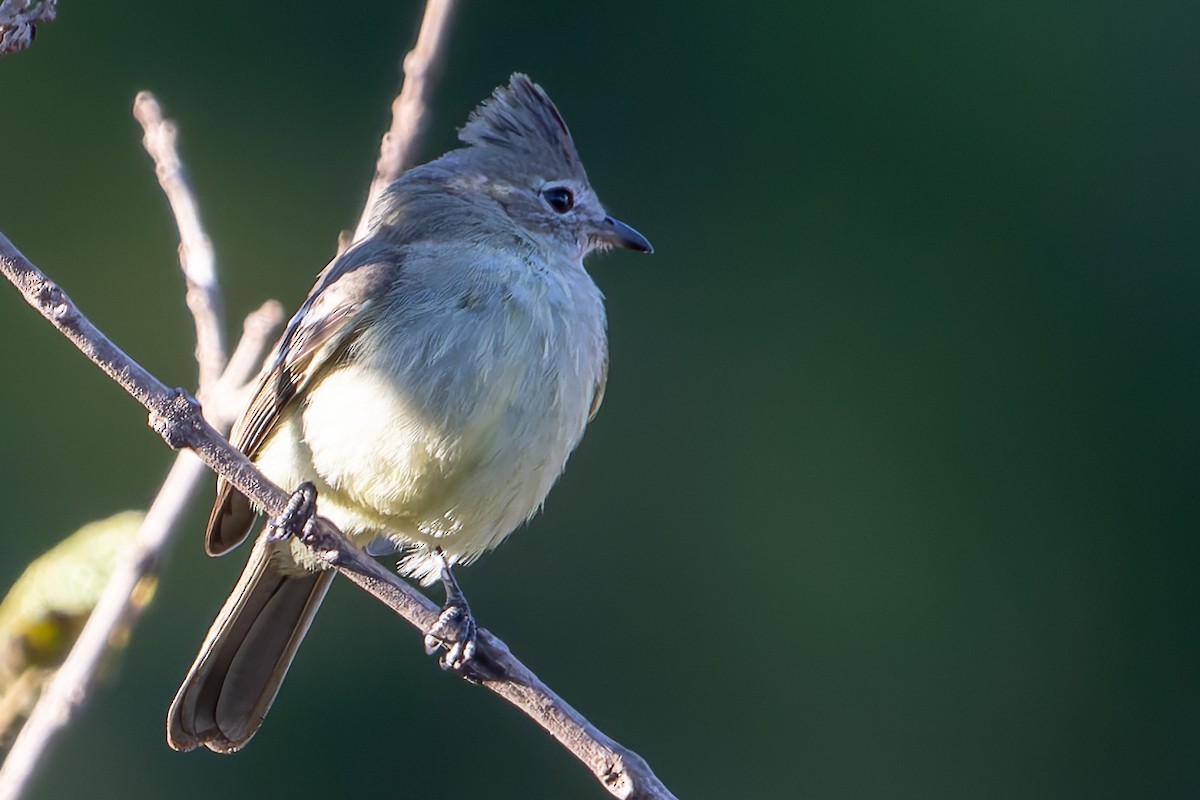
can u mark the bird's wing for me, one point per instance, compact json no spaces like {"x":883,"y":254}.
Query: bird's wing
{"x":598,"y":391}
{"x":321,"y":330}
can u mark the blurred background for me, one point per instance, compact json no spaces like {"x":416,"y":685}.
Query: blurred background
{"x":894,"y":491}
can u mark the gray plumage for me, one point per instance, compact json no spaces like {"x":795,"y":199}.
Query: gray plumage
{"x":431,"y":387}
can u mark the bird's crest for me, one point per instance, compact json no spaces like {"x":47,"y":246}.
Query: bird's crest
{"x":521,"y":118}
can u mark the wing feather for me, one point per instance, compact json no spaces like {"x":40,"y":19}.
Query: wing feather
{"x":315,"y":337}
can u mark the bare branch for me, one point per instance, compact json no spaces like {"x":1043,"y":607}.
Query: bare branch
{"x":176,"y":417}
{"x":18,"y":22}
{"x":620,"y":770}
{"x":233,"y":390}
{"x":66,"y":692}
{"x":195,"y":248}
{"x":421,"y":66}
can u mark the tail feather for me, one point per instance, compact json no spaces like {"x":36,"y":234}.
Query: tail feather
{"x":247,"y":652}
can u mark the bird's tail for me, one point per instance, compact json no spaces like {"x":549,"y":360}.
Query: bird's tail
{"x":247,"y":652}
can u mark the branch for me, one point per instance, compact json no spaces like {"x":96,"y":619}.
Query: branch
{"x":176,"y":416}
{"x":621,"y":771}
{"x":421,"y":66}
{"x":233,"y":390}
{"x":67,"y":690}
{"x":195,"y":248}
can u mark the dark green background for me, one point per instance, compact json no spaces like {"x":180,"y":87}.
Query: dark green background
{"x":894,"y":493}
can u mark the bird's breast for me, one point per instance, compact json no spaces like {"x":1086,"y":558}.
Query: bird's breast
{"x":449,"y":421}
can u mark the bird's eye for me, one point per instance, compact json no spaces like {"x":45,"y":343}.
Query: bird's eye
{"x":559,"y":198}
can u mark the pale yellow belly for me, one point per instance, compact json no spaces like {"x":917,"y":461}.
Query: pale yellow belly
{"x":384,"y":467}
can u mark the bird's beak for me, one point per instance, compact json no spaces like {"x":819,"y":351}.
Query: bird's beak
{"x":618,"y":234}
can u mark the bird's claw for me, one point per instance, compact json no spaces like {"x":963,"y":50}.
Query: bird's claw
{"x":455,"y":631}
{"x":297,"y":517}
{"x":455,"y":627}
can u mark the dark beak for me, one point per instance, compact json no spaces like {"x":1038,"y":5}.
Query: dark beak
{"x":618,"y":234}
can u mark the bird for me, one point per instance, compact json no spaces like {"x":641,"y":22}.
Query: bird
{"x":426,"y":394}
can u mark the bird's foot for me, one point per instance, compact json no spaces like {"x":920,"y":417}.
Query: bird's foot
{"x":297,"y":517}
{"x":455,"y":627}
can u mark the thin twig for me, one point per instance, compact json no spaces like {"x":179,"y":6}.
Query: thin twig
{"x":195,"y":248}
{"x":233,"y":390}
{"x":176,"y":417}
{"x":399,"y":144}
